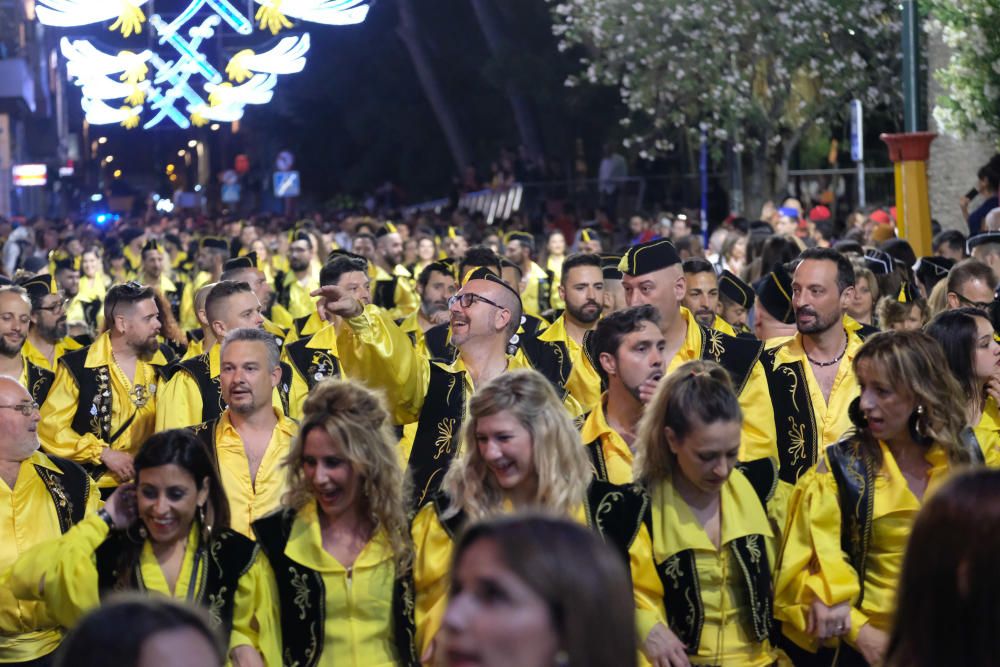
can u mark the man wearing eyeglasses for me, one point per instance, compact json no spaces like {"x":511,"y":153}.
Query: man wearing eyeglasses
{"x":102,"y":405}
{"x":485,"y":315}
{"x":15,"y":322}
{"x":34,"y":492}
{"x":47,"y":340}
{"x":971,"y":283}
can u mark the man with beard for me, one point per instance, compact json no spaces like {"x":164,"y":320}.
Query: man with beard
{"x":251,"y":437}
{"x":301,"y":278}
{"x":435,"y":285}
{"x":392,"y":289}
{"x":627,"y":348}
{"x":155,"y":274}
{"x":736,"y":298}
{"x":212,"y":255}
{"x":67,"y":274}
{"x":193,"y":395}
{"x":47,"y":340}
{"x":810,"y":375}
{"x":701,"y":295}
{"x":582,"y":289}
{"x":246,"y":269}
{"x":536,"y":283}
{"x":41,"y":497}
{"x":15,"y":322}
{"x":102,"y":405}
{"x":485,"y":314}
{"x":314,"y":358}
{"x":455,"y":244}
{"x":614,"y":293}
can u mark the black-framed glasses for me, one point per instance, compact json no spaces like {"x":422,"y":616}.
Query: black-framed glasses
{"x":972,"y":304}
{"x":56,"y":307}
{"x":26,"y":409}
{"x":468,"y":298}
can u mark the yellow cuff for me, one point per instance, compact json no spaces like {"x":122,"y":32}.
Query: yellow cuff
{"x":645,"y":621}
{"x":858,"y":620}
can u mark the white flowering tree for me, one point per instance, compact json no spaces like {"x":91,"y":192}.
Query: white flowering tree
{"x":971,"y":80}
{"x":756,"y":75}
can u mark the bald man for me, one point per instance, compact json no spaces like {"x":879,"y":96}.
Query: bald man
{"x":484,"y":314}
{"x":34,"y":490}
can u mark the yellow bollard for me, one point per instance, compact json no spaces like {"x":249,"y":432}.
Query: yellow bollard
{"x":909,"y":153}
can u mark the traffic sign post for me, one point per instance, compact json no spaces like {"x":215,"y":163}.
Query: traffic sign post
{"x":286,"y":184}
{"x":858,"y":148}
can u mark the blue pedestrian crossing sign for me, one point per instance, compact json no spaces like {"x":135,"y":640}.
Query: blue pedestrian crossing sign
{"x":286,"y":184}
{"x":230,"y":193}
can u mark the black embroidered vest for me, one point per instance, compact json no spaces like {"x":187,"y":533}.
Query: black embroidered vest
{"x":384,"y":293}
{"x":737,"y":355}
{"x":70,"y":491}
{"x":314,"y":365}
{"x":679,"y":576}
{"x":436,"y":441}
{"x":302,"y":596}
{"x":39,"y":381}
{"x":226,"y":558}
{"x":299,"y":323}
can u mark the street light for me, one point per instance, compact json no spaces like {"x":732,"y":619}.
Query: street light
{"x":181,"y":153}
{"x":215,"y":127}
{"x":109,"y":159}
{"x":102,"y":140}
{"x":192,"y":143}
{"x":118,"y":173}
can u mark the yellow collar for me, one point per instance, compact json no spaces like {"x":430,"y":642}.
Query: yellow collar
{"x":596,"y":425}
{"x":99,"y":354}
{"x":791,"y":349}
{"x":38,"y":458}
{"x":305,"y":545}
{"x":325,"y":339}
{"x":285,"y":425}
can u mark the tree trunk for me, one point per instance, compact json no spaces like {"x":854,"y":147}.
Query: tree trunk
{"x":519,"y":103}
{"x":409,"y":32}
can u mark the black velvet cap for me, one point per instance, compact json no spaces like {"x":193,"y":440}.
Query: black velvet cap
{"x":247,"y":261}
{"x":38,"y":286}
{"x":216,"y":242}
{"x":774,"y":294}
{"x":736,"y":290}
{"x":609,"y":265}
{"x":384,"y":230}
{"x":930,"y":270}
{"x":648,"y":257}
{"x":981,"y":239}
{"x":878,"y":262}
{"x":482,"y":273}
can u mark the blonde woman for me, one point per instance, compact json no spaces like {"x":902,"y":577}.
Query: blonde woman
{"x":520,"y":451}
{"x":712,"y":529}
{"x":340,"y":550}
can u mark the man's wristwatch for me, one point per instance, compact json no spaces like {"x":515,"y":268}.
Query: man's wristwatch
{"x":106,"y":517}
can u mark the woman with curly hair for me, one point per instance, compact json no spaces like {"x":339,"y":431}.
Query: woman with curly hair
{"x":851,"y":515}
{"x":340,"y":550}
{"x":520,"y":451}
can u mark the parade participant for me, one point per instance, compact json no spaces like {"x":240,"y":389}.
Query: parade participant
{"x":627,"y":349}
{"x":15,"y":322}
{"x":211,"y":257}
{"x":774,"y":317}
{"x":246,"y":269}
{"x":41,"y":497}
{"x":519,"y":451}
{"x":393,"y":284}
{"x":484,"y":316}
{"x":846,"y":536}
{"x":568,"y":591}
{"x":435,"y":285}
{"x":341,"y":545}
{"x":202,"y":338}
{"x":133,"y":630}
{"x":810,"y":375}
{"x":861,"y":306}
{"x":701,"y":294}
{"x":555,"y":255}
{"x":455,"y":244}
{"x":155,"y":273}
{"x":47,"y":338}
{"x":86,"y":306}
{"x":614,"y":293}
{"x":251,"y":438}
{"x":294,"y":286}
{"x":892,"y":313}
{"x":949,"y":578}
{"x":194,"y":394}
{"x":102,"y":405}
{"x":314,"y":357}
{"x":427,"y":253}
{"x":132,"y":240}
{"x":66,"y":271}
{"x":581,"y":288}
{"x":166,"y":534}
{"x":736,"y":299}
{"x":712,"y":527}
{"x":652,"y":275}
{"x":536,"y":283}
{"x":971,"y":284}
{"x":973,"y":354}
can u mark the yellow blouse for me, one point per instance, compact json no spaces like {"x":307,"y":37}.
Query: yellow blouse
{"x":55,"y":429}
{"x":28,"y":517}
{"x":251,"y":500}
{"x":68,"y":569}
{"x":358,"y":628}
{"x":813,"y":564}
{"x":724,"y":639}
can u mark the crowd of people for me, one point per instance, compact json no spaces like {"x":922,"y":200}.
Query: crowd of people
{"x":431,"y":441}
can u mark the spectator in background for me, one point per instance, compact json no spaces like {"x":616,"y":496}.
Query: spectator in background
{"x":992,"y":221}
{"x":861,"y":306}
{"x":610,"y":176}
{"x":989,"y":179}
{"x":950,"y":244}
{"x":640,"y":228}
{"x":971,"y":284}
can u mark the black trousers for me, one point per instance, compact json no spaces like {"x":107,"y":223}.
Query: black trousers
{"x":843,"y":656}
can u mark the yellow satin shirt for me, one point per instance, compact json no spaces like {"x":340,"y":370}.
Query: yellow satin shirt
{"x":618,"y":457}
{"x":988,"y":433}
{"x":406,"y":298}
{"x":325,"y":339}
{"x":724,"y":639}
{"x":249,"y":499}
{"x":411,"y":325}
{"x":189,"y":318}
{"x":358,"y":630}
{"x":813,"y":564}
{"x":725,"y":327}
{"x":70,"y":588}
{"x":583,"y":383}
{"x":35,"y":356}
{"x":554,"y":264}
{"x":529,"y":295}
{"x":55,"y":430}
{"x":300,"y":303}
{"x":28,"y":517}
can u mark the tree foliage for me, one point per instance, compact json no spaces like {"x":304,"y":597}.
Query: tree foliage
{"x":971,"y":80}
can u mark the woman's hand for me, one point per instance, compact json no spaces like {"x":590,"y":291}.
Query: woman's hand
{"x":873,"y":644}
{"x":121,"y":506}
{"x":828,"y":622}
{"x":664,"y":649}
{"x":245,"y":655}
